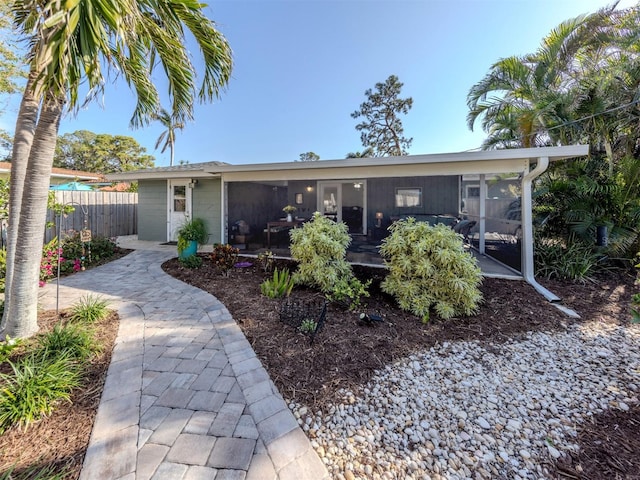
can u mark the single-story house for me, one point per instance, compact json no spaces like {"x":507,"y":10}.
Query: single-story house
{"x":368,"y":194}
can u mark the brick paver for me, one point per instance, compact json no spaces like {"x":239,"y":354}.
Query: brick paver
{"x":232,"y":453}
{"x":185,"y":396}
{"x":191,"y":449}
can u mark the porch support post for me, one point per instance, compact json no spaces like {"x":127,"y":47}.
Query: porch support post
{"x":483,"y":212}
{"x":169,"y":210}
{"x":224,"y":211}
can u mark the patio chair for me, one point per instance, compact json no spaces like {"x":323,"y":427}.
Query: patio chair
{"x":241,"y":233}
{"x":464,"y":228}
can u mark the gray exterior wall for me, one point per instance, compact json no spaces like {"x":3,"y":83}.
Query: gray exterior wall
{"x":439,"y":196}
{"x":152,"y":210}
{"x":206,"y":205}
{"x":309,"y":199}
{"x":255,"y":203}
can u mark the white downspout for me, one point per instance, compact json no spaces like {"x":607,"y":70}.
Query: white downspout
{"x":527,"y":229}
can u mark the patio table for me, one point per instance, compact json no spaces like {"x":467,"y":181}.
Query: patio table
{"x":278,"y":226}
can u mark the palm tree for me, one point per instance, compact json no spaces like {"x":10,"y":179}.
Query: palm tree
{"x":523,"y":101}
{"x":581,"y":86}
{"x":168,"y":136}
{"x":10,"y":71}
{"x":70,"y":43}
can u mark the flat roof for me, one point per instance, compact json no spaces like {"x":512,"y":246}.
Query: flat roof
{"x":553,"y":153}
{"x":208,"y":169}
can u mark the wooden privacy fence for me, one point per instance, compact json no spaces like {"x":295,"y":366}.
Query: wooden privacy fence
{"x":106,"y":214}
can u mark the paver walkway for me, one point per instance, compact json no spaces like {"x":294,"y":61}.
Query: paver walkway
{"x":185,"y":396}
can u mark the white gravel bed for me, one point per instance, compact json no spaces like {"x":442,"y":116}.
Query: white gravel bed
{"x":481,"y":411}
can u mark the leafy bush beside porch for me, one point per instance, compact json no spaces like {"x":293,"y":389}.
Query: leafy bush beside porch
{"x":320,"y":247}
{"x":428,"y":267}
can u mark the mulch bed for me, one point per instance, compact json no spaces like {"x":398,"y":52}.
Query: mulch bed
{"x":59,"y":441}
{"x":609,"y":445}
{"x":346,"y":353}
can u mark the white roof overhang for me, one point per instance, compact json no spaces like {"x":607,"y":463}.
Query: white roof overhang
{"x":494,"y":161}
{"x":151,"y":174}
{"x":487,"y":161}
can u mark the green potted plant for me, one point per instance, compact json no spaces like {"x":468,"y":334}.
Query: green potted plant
{"x":191,"y":234}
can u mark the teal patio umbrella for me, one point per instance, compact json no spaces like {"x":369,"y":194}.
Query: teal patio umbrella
{"x":71,"y":186}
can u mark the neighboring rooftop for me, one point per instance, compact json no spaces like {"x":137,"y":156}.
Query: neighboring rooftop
{"x":59,"y":175}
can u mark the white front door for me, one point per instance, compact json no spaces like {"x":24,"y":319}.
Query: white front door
{"x":344,"y":202}
{"x":330,"y":201}
{"x":179,"y":206}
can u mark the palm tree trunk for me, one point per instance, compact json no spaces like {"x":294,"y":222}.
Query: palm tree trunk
{"x":609,"y":150}
{"x":23,"y":296}
{"x":23,"y":139}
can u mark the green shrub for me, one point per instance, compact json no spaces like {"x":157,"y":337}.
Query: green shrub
{"x":36,"y":472}
{"x":7,"y":346}
{"x":191,"y":231}
{"x":34,"y":386}
{"x":320,"y":247}
{"x":73,"y":248}
{"x":308,"y":326}
{"x":279,"y":286}
{"x":70,"y":340}
{"x":90,"y":309}
{"x":267,"y":260}
{"x":81,"y":254}
{"x":579,"y":196}
{"x":348,"y":292}
{"x":194,"y":261}
{"x":428,"y":266}
{"x":224,"y":257}
{"x":49,"y":261}
{"x":575,"y":262}
{"x":74,"y":255}
{"x":635,"y":308}
{"x":101,"y":248}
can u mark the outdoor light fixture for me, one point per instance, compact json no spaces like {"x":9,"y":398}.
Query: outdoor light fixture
{"x":357,"y":185}
{"x":369,"y":319}
{"x":309,"y":188}
{"x":193,"y":183}
{"x":379,"y":217}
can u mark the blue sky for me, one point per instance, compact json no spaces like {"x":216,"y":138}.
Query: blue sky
{"x":302,"y":66}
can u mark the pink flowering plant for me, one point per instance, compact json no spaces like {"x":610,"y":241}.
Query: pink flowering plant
{"x":75,"y":255}
{"x":49,"y":262}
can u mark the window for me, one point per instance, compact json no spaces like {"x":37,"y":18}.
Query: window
{"x":179,"y":198}
{"x":473,"y":191}
{"x":408,"y":197}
